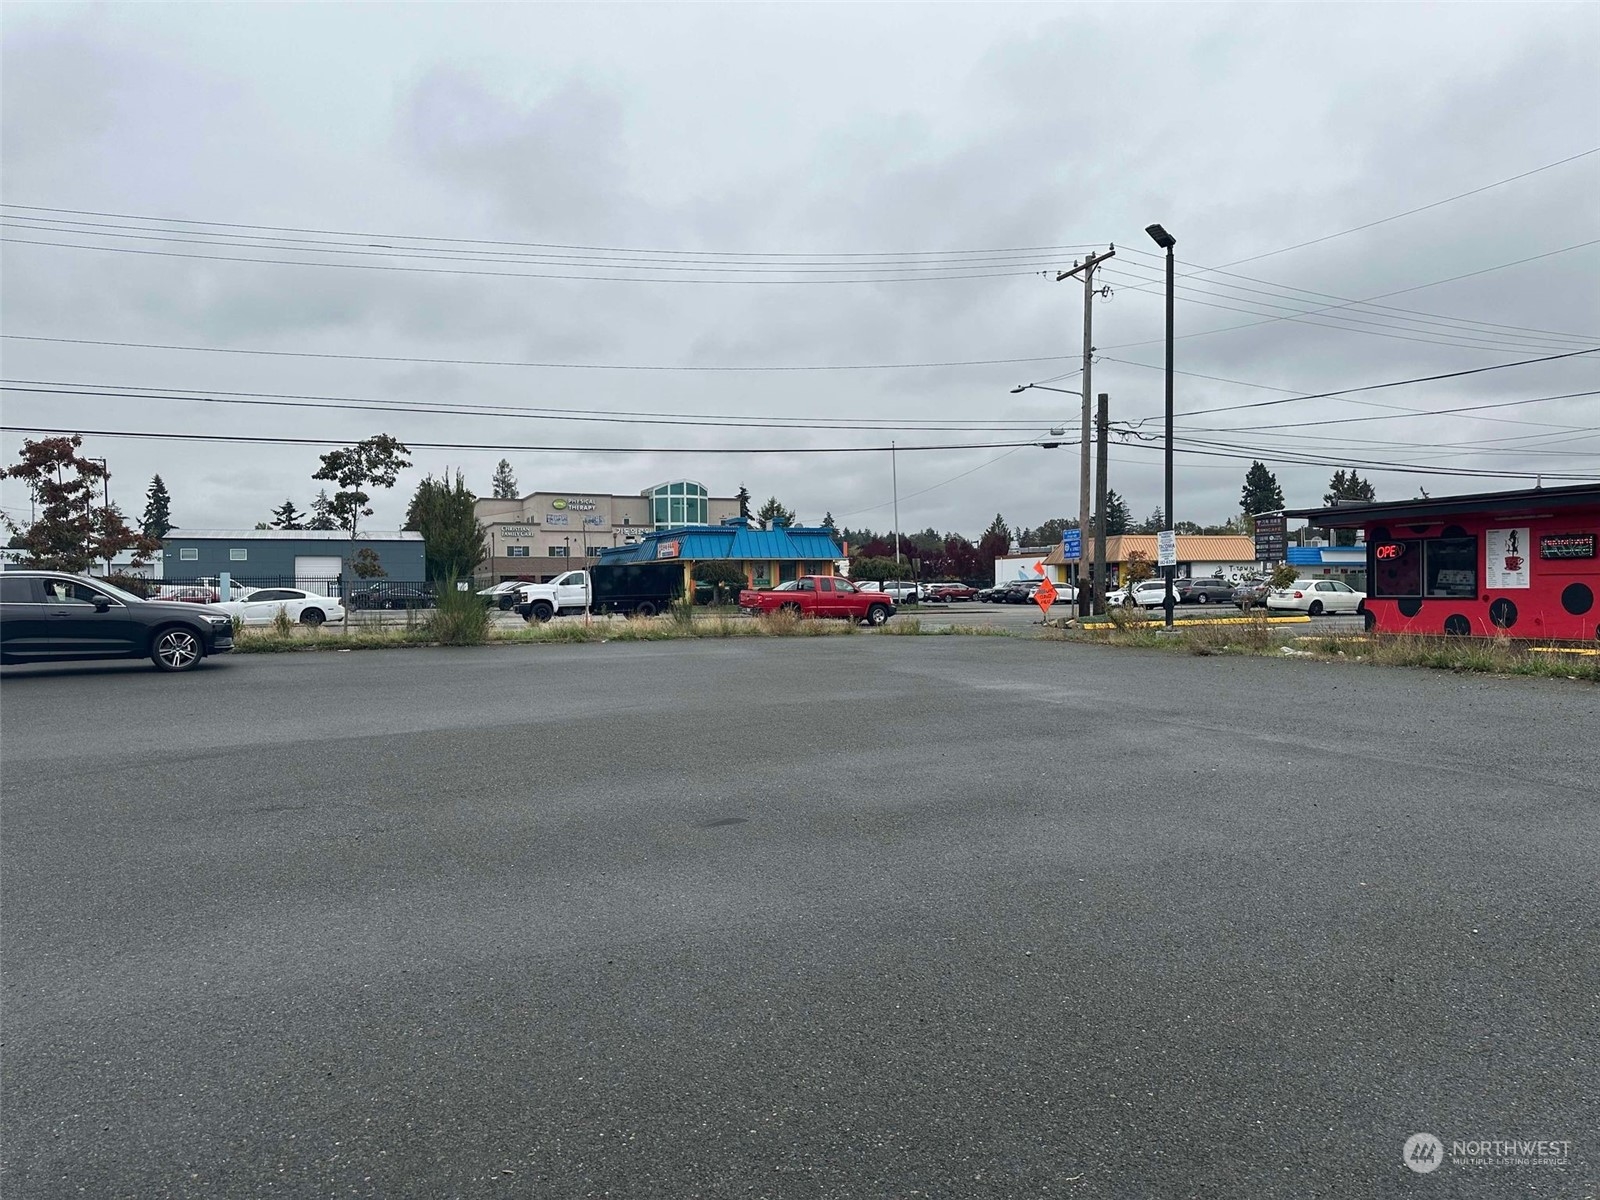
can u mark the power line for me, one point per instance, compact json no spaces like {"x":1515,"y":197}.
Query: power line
{"x":1411,"y":212}
{"x":285,"y":262}
{"x":564,"y":366}
{"x":432,"y":254}
{"x":1418,"y":412}
{"x":1381,"y":296}
{"x":473,"y":409}
{"x":503,"y":447}
{"x":545,"y":245}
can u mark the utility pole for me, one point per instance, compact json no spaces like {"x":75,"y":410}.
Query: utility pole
{"x":894,"y":471}
{"x":1087,"y":267}
{"x":1102,"y":421}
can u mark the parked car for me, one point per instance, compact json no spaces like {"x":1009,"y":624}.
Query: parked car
{"x":391,"y":595}
{"x":50,"y":616}
{"x":502,"y":595}
{"x":1317,"y":596}
{"x":1251,"y":593}
{"x":262,"y":605}
{"x":946,"y":592}
{"x":820,"y":596}
{"x":1147,"y":593}
{"x":1205,"y":591}
{"x":990,"y":595}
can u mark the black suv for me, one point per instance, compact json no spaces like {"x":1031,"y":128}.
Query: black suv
{"x":1204,"y":591}
{"x":52,"y":616}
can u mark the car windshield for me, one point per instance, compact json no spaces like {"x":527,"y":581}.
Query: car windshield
{"x":113,"y":589}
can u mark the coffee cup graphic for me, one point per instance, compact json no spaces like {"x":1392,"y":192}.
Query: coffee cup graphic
{"x":1513,"y":562}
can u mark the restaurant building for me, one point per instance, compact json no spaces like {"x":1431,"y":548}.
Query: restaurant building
{"x":540,"y":535}
{"x":1517,"y":563}
{"x":767,"y":557}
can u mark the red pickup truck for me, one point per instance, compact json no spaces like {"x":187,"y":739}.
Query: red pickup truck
{"x":820,"y":596}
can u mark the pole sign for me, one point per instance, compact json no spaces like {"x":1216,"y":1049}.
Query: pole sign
{"x":1071,"y":544}
{"x":1272,"y":535}
{"x":1166,"y":548}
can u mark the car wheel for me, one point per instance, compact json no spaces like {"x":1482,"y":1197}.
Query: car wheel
{"x":877,"y":614}
{"x":645,"y":610}
{"x":791,"y":608}
{"x":1202,"y":598}
{"x":540,"y":612}
{"x":312,"y":617}
{"x":1314,"y":609}
{"x":176,"y":649}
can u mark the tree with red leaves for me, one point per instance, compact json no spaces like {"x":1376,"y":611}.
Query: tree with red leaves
{"x":73,"y":526}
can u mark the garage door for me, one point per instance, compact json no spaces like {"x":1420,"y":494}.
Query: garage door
{"x":317,"y":573}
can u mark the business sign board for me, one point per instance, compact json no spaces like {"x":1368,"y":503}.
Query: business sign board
{"x":1071,"y":544}
{"x":667,"y":549}
{"x":1505,"y":558}
{"x":1272,"y":537}
{"x":562,"y":503}
{"x":1566,"y":545}
{"x":1166,"y":548}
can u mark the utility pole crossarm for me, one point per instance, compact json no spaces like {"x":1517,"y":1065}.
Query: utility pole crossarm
{"x":1089,"y":264}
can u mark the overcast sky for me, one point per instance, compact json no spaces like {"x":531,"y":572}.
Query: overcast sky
{"x":784,"y":186}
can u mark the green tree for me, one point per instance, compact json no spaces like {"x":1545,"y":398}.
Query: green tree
{"x":1117,"y":516}
{"x":287,"y":516}
{"x":1347,"y":487}
{"x":875,"y":570}
{"x":442,"y":511}
{"x":1155,"y":522}
{"x":744,"y":501}
{"x":773,"y":511}
{"x":157,"y":520}
{"x":505,"y":483}
{"x":724,"y":578}
{"x":1261,"y":491}
{"x":373,"y":463}
{"x":1048,"y":534}
{"x":74,"y":527}
{"x":366,"y":564}
{"x":322,"y":513}
{"x":827,"y":520}
{"x":995,"y":543}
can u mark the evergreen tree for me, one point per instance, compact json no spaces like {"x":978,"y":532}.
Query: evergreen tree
{"x":773,"y":511}
{"x":157,"y":520}
{"x":442,"y":511}
{"x":1154,"y":523}
{"x":1261,"y":491}
{"x":322,"y":512}
{"x":995,"y":543}
{"x":744,"y":501}
{"x":827,"y":520}
{"x":1347,"y":487}
{"x":505,"y":483}
{"x":1118,"y":518}
{"x":287,"y":516}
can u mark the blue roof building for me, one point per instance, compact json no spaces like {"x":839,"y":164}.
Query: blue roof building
{"x":767,"y":556}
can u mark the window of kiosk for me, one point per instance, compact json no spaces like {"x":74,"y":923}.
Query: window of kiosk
{"x":1452,"y":567}
{"x":1397,"y":568}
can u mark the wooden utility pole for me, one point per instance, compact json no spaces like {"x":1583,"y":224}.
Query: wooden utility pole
{"x":1087,"y":268}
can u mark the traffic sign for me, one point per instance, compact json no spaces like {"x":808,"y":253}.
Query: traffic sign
{"x":1071,"y":544}
{"x":1044,"y":596}
{"x":1166,"y":548}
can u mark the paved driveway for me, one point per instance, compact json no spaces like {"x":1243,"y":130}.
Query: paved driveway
{"x":842,"y":917}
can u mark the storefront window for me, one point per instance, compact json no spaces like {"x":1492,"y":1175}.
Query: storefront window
{"x":681,"y":502}
{"x":1397,"y":568}
{"x":516,"y":551}
{"x":1452,"y":566}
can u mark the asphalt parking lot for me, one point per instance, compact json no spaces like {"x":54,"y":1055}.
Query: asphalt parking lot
{"x":834,"y":917}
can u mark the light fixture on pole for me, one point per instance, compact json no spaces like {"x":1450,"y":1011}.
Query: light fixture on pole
{"x":1166,"y":241}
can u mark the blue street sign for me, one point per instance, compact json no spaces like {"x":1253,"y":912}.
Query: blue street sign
{"x":1071,"y":544}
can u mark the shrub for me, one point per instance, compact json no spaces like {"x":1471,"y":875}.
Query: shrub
{"x":281,"y":624}
{"x":459,"y":619}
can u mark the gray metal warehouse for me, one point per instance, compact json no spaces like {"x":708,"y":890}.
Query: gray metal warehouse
{"x":312,"y":559}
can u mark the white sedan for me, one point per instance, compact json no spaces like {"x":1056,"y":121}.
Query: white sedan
{"x":261,"y":607}
{"x":1148,"y":593}
{"x":1317,"y":596}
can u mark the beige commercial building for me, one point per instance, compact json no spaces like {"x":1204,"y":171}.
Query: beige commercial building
{"x":543,"y":534}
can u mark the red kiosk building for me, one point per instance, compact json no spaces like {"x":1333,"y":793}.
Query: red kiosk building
{"x":1521,"y":564}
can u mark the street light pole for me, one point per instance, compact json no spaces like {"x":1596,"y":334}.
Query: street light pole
{"x":1166,"y":241}
{"x":894,"y":471}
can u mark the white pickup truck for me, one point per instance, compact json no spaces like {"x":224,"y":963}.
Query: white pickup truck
{"x":631,"y":589}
